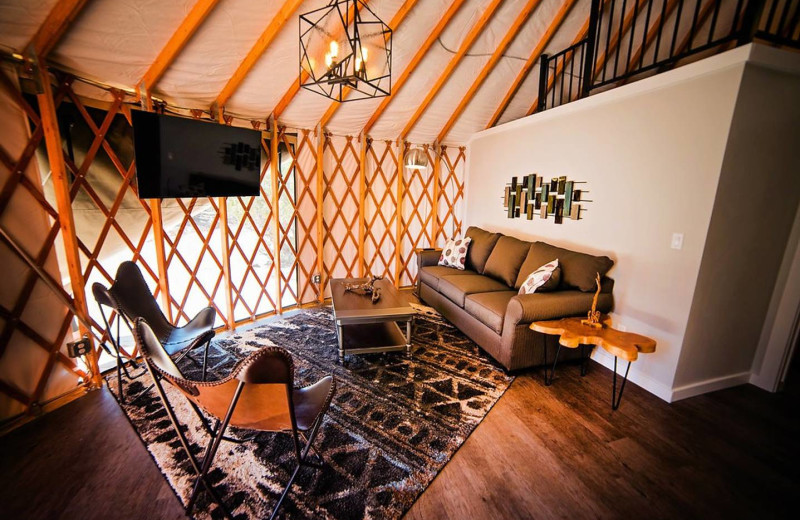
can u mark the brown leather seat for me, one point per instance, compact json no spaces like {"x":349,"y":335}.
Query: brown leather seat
{"x":258,"y":394}
{"x":130,"y":298}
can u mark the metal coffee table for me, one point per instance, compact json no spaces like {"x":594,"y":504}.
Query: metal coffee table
{"x":363,"y":327}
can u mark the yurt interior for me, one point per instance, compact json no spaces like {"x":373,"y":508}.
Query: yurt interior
{"x":383,"y":259}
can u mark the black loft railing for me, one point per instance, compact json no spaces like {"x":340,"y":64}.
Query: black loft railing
{"x":626,"y":38}
{"x":564,"y":74}
{"x":780,"y":23}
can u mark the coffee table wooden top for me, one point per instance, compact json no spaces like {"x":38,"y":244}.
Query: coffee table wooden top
{"x":350,"y":305}
{"x":626,"y":345}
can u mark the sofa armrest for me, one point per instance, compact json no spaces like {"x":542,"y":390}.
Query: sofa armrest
{"x":426,"y":257}
{"x":527,"y":308}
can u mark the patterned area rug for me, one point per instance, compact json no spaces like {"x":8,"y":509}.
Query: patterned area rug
{"x":393,"y":424}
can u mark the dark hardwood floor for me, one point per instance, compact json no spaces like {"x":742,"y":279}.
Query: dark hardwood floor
{"x":542,"y":452}
{"x":82,"y":461}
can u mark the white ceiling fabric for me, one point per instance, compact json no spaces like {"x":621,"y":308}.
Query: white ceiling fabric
{"x":115,"y":41}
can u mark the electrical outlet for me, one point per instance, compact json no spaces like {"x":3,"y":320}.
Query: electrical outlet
{"x":79,"y":348}
{"x":317,"y":279}
{"x":677,"y":241}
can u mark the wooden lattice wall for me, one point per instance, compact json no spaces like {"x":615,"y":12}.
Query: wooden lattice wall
{"x":333,"y":205}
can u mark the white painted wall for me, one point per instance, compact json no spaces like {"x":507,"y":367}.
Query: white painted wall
{"x":742,"y":291}
{"x":651,"y":154}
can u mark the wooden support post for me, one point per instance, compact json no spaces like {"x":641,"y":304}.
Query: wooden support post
{"x":320,"y":194}
{"x":362,"y":192}
{"x":401,"y":145}
{"x":437,"y":169}
{"x":161,"y":256}
{"x":61,"y":188}
{"x":226,"y":260}
{"x":273,"y":158}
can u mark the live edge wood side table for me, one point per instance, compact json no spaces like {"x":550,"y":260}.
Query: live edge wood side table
{"x":574,"y":334}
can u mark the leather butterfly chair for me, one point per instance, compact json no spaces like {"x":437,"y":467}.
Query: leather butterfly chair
{"x":130,"y":297}
{"x":104,"y":299}
{"x":258,"y":394}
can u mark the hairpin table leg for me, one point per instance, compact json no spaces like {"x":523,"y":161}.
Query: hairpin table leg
{"x":585,"y":351}
{"x":548,"y":379}
{"x":615,"y":399}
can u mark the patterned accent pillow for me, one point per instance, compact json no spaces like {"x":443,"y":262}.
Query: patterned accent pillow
{"x":454,"y":253}
{"x":546,"y":278}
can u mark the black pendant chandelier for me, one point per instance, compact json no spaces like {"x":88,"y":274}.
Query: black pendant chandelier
{"x":345,"y":51}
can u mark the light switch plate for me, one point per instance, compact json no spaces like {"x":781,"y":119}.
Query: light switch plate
{"x":677,"y":241}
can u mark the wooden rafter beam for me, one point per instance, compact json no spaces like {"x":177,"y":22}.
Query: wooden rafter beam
{"x":289,"y":95}
{"x":412,"y":65}
{"x":394,"y":24}
{"x":512,"y":32}
{"x":544,"y":41}
{"x":54,"y":27}
{"x":262,"y":44}
{"x":176,"y":43}
{"x":451,"y":66}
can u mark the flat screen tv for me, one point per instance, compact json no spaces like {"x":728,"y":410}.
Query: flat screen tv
{"x":178,"y":157}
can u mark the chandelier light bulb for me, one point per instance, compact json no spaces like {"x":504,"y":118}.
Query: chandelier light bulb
{"x":334,"y":50}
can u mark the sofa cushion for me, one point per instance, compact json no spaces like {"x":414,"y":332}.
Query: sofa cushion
{"x":577,"y":269}
{"x":480,"y":248}
{"x":457,"y":287}
{"x":430,"y":274}
{"x":506,"y":259}
{"x":544,"y":279}
{"x":454,"y":253}
{"x":489,"y":308}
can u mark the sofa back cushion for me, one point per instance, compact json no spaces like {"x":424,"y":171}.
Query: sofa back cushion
{"x":506,"y":259}
{"x":480,"y":248}
{"x":577,"y":269}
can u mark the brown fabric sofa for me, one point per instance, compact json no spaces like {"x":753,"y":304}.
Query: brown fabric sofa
{"x":483,"y":300}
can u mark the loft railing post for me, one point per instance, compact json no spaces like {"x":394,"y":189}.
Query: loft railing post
{"x":590,"y":50}
{"x":544,"y":71}
{"x":750,"y":19}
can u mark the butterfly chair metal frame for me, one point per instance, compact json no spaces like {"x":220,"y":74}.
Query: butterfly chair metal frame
{"x":104,"y":299}
{"x":258,"y":395}
{"x":130,"y":298}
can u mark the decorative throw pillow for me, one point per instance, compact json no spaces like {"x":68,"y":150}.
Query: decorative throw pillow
{"x":454,"y":253}
{"x":546,"y":278}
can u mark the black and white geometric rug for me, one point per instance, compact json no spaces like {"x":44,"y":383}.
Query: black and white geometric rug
{"x":392,"y":426}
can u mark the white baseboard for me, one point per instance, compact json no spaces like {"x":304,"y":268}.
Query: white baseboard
{"x":656,"y":388}
{"x":710,"y":385}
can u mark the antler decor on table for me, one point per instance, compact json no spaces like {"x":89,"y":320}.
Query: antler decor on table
{"x":593,"y":317}
{"x":366,"y":288}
